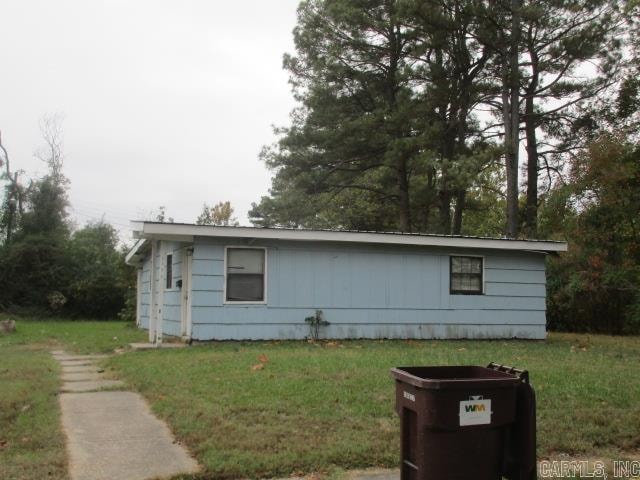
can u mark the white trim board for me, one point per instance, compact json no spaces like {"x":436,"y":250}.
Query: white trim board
{"x":130,"y":258}
{"x":150,"y":230}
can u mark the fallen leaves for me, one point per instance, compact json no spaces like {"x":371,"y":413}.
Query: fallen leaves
{"x":263,"y":359}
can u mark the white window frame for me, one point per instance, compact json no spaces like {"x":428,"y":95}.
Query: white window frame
{"x":174,"y":287}
{"x":264,"y":283}
{"x":483,"y":282}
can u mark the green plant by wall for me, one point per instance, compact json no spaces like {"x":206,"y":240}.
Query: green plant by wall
{"x":315,"y":322}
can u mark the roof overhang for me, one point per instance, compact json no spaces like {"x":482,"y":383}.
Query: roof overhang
{"x":137,"y":252}
{"x":186,"y":232}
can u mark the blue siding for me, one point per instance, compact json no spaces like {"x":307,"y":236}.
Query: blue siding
{"x":145,"y":294}
{"x":370,"y":292}
{"x":262,"y":331}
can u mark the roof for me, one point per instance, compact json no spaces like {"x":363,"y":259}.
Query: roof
{"x":137,"y":252}
{"x":187,"y":231}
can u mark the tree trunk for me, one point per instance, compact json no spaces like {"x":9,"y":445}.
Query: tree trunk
{"x":444,"y":210}
{"x":530,"y":125}
{"x":403,"y":195}
{"x":13,"y":194}
{"x":531,"y":209}
{"x":511,"y":115}
{"x":511,"y":165}
{"x":431,"y":199}
{"x":11,"y":208}
{"x":402,"y":178}
{"x":461,"y":197}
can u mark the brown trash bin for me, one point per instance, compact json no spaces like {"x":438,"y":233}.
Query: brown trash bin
{"x":466,"y":422}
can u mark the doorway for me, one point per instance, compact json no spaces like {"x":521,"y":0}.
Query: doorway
{"x":185,"y":313}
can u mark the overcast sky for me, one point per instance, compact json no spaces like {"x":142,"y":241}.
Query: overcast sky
{"x":164,"y":103}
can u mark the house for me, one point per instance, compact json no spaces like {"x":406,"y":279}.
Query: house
{"x":215,"y":282}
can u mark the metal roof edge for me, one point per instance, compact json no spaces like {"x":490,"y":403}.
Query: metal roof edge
{"x":176,"y":230}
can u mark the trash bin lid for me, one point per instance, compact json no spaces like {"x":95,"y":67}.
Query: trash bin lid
{"x":460,"y":376}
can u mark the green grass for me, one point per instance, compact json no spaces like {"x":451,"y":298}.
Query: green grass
{"x":75,"y":336}
{"x":31,"y":441}
{"x":322,"y":407}
{"x":313,"y":407}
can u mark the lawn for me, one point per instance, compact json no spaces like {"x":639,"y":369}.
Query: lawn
{"x":278,"y":408}
{"x":31,"y":442}
{"x":74,"y":336}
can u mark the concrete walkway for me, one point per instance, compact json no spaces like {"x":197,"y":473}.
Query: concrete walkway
{"x":113,"y":434}
{"x":374,"y":474}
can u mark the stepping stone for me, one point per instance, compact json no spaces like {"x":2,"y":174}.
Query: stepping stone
{"x":153,"y":346}
{"x":79,"y":357}
{"x":90,"y":386}
{"x":76,"y":363}
{"x":114,"y":435}
{"x":80,"y":369}
{"x":374,"y":474}
{"x":81,"y":377}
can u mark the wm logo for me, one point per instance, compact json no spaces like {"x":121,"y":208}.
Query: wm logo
{"x":475,"y":408}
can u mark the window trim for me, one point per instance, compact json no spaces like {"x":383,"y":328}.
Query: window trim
{"x":482,"y":278}
{"x":264,"y":283}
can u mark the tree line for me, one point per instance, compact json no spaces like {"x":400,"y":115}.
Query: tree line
{"x":410,"y":111}
{"x":472,"y":117}
{"x":46,"y":265}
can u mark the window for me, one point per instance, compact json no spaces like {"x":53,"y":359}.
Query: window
{"x":245,"y":275}
{"x":169,"y":271}
{"x":466,"y":275}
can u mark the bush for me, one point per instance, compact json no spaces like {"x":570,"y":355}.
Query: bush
{"x":595,"y":287}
